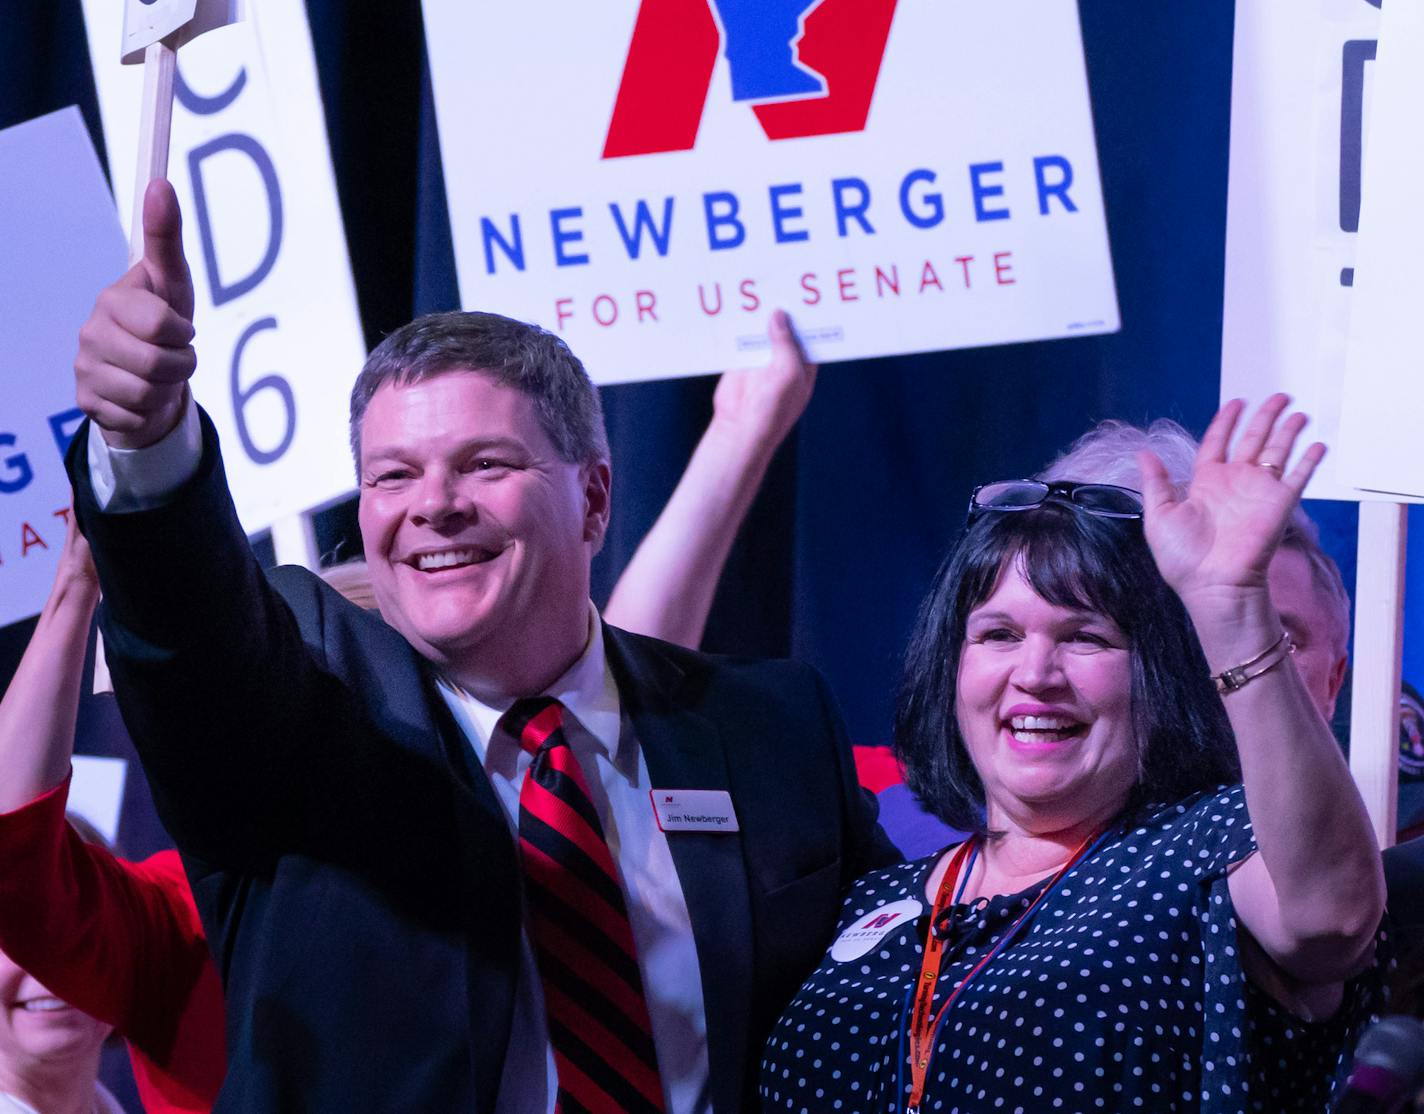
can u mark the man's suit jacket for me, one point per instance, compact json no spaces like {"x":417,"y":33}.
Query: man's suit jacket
{"x":355,"y":873}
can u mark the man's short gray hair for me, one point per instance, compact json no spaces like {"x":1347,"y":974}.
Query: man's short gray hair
{"x":513,"y":353}
{"x":1108,"y":454}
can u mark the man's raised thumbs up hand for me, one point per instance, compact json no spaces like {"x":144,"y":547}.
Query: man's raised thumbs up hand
{"x":136,"y":349}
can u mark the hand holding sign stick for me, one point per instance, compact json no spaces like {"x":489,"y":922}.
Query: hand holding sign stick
{"x":153,"y":32}
{"x":135,"y":350}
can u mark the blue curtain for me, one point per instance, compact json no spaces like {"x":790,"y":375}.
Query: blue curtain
{"x":863,"y":501}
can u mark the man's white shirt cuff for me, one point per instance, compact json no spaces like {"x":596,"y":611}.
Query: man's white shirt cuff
{"x":139,"y":479}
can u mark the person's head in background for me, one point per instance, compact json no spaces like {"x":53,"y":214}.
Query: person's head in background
{"x":49,"y":1051}
{"x":1305,"y":582}
{"x":353,"y":580}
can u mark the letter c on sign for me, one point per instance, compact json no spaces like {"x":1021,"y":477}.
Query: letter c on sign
{"x":200,"y":105}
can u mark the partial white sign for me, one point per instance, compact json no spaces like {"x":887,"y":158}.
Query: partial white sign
{"x":279,"y":342}
{"x":1380,"y":446}
{"x":1301,"y":89}
{"x":650,"y":178}
{"x":96,"y":792}
{"x":148,"y":21}
{"x":60,"y":242}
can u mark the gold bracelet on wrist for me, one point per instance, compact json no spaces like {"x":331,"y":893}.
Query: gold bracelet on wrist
{"x":1229,"y":680}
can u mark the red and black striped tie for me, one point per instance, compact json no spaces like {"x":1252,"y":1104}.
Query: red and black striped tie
{"x":578,"y":923}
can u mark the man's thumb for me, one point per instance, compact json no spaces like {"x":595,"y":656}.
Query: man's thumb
{"x":163,"y":257}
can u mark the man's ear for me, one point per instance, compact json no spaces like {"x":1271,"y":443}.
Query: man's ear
{"x":1337,"y":679}
{"x":598,"y":502}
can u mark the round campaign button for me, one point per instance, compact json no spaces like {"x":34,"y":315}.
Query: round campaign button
{"x":870,"y":929}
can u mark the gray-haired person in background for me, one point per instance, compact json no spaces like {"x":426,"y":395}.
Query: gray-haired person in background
{"x":1305,"y":582}
{"x":1310,"y":595}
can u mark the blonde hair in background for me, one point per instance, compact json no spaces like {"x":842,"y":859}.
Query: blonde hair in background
{"x":353,"y":580}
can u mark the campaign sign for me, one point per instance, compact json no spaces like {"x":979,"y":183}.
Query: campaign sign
{"x":650,"y":178}
{"x":96,"y":791}
{"x":1301,"y":94}
{"x":278,"y":338}
{"x":1384,"y":384}
{"x":60,"y":242}
{"x":148,"y":21}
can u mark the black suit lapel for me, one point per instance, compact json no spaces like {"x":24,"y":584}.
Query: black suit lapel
{"x":684,"y":750}
{"x":490,"y":870}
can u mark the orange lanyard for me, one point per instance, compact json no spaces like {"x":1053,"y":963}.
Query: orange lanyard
{"x":924,"y":1023}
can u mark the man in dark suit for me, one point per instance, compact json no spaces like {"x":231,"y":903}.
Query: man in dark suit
{"x":425,"y":891}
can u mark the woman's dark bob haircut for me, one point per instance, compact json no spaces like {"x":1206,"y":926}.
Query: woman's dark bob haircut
{"x":1078,"y":560}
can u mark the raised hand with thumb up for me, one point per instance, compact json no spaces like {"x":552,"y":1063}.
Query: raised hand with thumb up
{"x":136,"y":349}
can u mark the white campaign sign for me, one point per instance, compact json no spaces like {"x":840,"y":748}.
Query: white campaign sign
{"x":60,"y":242}
{"x":148,"y":21}
{"x":650,"y":178}
{"x":1301,"y":91}
{"x":279,"y":341}
{"x":1384,"y":384}
{"x":96,"y":792}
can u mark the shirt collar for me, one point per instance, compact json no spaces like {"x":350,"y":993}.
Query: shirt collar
{"x":586,"y":690}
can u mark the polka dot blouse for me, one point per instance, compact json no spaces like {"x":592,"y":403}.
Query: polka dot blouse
{"x":1124,"y":993}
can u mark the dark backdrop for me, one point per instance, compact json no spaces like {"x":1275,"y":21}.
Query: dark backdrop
{"x":862,"y":502}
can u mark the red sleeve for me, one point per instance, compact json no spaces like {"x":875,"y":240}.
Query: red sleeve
{"x":119,"y":940}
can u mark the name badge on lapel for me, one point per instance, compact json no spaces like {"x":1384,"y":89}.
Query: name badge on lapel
{"x":694,"y":810}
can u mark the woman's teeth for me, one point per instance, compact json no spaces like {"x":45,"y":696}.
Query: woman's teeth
{"x":1043,"y":729}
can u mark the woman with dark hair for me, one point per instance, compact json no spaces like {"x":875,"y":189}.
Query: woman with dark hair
{"x":1172,"y":889}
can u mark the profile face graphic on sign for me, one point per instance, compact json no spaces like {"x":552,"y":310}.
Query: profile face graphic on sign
{"x":805,"y":67}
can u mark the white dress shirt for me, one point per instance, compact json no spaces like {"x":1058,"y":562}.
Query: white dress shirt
{"x":617,"y":776}
{"x":136,"y":479}
{"x":618,"y":782}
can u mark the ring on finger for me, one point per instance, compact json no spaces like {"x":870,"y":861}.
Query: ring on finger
{"x":1274,"y":469}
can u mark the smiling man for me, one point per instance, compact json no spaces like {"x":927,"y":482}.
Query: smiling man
{"x":479,"y":523}
{"x":446,"y":863}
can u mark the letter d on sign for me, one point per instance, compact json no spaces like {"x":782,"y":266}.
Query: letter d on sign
{"x":225,"y":292}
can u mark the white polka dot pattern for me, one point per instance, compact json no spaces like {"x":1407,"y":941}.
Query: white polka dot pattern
{"x":1125,"y":993}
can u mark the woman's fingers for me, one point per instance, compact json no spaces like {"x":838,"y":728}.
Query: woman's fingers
{"x":1157,"y":490}
{"x":1217,"y":437}
{"x":1305,"y":467}
{"x":1259,"y":429}
{"x":1278,"y":448}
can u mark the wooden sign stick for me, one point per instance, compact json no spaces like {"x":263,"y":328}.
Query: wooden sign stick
{"x":160,"y":65}
{"x":1379,"y":646}
{"x":154,"y":131}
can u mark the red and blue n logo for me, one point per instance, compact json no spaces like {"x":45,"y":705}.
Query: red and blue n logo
{"x":806,"y":67}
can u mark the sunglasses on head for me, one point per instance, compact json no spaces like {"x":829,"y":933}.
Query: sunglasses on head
{"x":1103,"y":500}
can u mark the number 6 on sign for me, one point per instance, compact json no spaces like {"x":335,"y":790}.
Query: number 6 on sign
{"x":269,"y":382}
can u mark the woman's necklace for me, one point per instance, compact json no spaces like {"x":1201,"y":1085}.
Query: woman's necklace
{"x":924,"y":1023}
